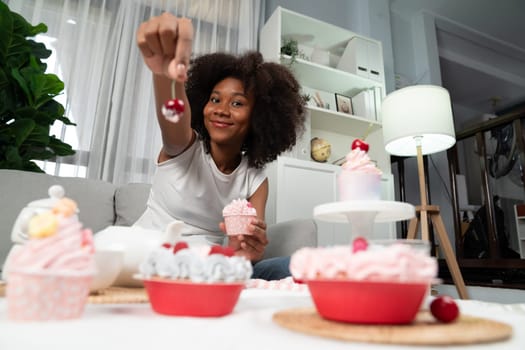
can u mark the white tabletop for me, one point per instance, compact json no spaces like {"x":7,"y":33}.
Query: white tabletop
{"x":249,"y":327}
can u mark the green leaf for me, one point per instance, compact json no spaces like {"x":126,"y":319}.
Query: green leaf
{"x":15,"y":73}
{"x":21,"y":129}
{"x":6,"y":28}
{"x":60,"y":148}
{"x":27,"y":105}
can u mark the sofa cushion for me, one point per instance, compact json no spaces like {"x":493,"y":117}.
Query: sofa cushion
{"x":288,"y":236}
{"x":130,"y":202}
{"x":95,"y":199}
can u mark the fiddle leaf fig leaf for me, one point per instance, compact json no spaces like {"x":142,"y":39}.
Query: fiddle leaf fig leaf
{"x":28,"y":107}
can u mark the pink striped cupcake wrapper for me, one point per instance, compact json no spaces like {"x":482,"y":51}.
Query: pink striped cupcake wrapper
{"x":37,"y":296}
{"x":238,"y":224}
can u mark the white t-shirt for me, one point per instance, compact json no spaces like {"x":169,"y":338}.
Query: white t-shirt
{"x":190,"y":187}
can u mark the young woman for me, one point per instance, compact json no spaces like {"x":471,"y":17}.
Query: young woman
{"x":240,"y":113}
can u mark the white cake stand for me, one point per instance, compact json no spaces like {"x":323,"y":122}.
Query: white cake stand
{"x":363,"y":214}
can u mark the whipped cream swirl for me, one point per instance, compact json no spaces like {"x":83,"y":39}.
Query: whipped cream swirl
{"x":196,"y":265}
{"x":358,"y":160}
{"x":239,"y":207}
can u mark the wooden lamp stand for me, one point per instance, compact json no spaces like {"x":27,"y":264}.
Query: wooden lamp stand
{"x":423,"y":213}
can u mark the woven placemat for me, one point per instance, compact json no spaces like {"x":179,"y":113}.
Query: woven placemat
{"x":424,"y":331}
{"x":2,"y":290}
{"x":118,"y":295}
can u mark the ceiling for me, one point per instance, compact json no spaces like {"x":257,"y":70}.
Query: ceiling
{"x":482,"y":51}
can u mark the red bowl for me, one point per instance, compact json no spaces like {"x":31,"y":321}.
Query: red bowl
{"x":185,"y":298}
{"x":367,"y":302}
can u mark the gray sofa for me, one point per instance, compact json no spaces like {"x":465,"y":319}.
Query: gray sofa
{"x":103,"y":204}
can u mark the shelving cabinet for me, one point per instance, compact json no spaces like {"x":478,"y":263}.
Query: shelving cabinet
{"x":297,"y":183}
{"x":519,"y":214}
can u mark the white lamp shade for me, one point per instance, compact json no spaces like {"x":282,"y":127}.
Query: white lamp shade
{"x":419,"y":113}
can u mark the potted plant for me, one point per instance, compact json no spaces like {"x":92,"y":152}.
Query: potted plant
{"x":27,"y":105}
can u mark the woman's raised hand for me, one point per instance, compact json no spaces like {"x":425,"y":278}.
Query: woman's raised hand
{"x":165,"y":42}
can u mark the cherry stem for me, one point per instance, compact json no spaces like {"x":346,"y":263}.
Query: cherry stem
{"x":367,"y":131}
{"x":173,"y":89}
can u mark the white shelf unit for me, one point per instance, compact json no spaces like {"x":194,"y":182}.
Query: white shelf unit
{"x":297,"y":183}
{"x":519,"y":214}
{"x":339,"y":129}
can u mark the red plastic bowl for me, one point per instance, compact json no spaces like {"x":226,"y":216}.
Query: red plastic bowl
{"x":367,"y":302}
{"x":184,"y":298}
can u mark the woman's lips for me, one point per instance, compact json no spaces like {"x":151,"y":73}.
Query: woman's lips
{"x":220,"y":124}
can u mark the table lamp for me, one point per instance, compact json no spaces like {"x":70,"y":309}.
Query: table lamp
{"x":417,"y":120}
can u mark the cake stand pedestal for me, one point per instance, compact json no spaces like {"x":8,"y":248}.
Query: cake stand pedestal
{"x":363,"y":214}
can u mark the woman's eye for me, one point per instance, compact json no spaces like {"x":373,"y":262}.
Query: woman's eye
{"x":237,"y":103}
{"x":214,"y":99}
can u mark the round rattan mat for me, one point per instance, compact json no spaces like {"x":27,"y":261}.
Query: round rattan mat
{"x":423,"y":331}
{"x":118,"y":295}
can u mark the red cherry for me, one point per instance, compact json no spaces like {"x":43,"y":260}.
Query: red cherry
{"x":217,"y":249}
{"x":359,"y":244}
{"x":176,"y":105}
{"x":362,"y":145}
{"x":228,"y":251}
{"x":179,"y":246}
{"x":166,"y":245}
{"x":444,"y":309}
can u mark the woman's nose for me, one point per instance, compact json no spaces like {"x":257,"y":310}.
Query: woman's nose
{"x":222,"y":108}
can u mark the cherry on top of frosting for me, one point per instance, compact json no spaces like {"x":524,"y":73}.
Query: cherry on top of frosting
{"x":362,"y":145}
{"x":217,"y":249}
{"x":359,"y":244}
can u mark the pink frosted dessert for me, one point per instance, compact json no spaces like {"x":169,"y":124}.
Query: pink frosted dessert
{"x":397,"y":262}
{"x":237,"y":216}
{"x":49,"y":276}
{"x":359,"y":179}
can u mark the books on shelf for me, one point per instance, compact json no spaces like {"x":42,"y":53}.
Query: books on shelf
{"x":366,"y":103}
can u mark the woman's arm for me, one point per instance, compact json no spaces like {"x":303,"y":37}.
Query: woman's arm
{"x":165,"y":42}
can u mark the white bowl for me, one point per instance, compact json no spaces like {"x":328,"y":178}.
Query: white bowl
{"x":109,"y":264}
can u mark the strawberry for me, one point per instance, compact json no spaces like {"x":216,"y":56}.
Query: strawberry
{"x":179,"y":246}
{"x":444,"y":309}
{"x":362,"y":145}
{"x":359,"y":244}
{"x":166,"y":245}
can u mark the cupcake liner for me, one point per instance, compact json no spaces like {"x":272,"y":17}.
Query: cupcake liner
{"x":238,"y":224}
{"x":37,"y":296}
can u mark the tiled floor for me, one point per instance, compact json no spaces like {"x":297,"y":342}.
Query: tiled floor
{"x":490,"y":294}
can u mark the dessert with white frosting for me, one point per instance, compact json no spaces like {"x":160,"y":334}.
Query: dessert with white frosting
{"x":199,"y":264}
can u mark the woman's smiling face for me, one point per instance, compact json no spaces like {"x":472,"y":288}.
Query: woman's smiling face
{"x":228,"y":111}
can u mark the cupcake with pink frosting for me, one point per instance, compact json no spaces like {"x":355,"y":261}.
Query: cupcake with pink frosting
{"x":49,"y":276}
{"x":237,"y":216}
{"x":368,"y":282}
{"x":401,"y":261}
{"x":360,"y":179}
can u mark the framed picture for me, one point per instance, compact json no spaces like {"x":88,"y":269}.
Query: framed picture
{"x":319,"y":98}
{"x":343,"y":104}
